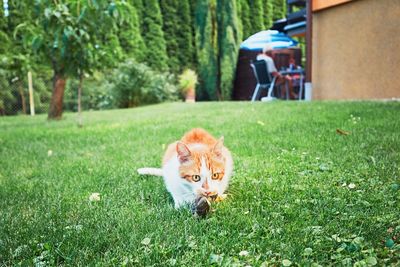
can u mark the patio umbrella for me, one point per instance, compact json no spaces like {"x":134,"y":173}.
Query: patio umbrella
{"x":276,"y":39}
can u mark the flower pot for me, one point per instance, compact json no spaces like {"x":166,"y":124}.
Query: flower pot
{"x":190,"y":95}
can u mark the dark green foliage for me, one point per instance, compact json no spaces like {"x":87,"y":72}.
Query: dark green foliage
{"x":16,"y":60}
{"x":14,"y":93}
{"x":279,"y":7}
{"x":178,"y":30}
{"x":77,"y":37}
{"x":171,"y":29}
{"x":193,"y":5}
{"x":217,"y":43}
{"x":268,"y":14}
{"x":41,"y":84}
{"x":74,"y":38}
{"x":138,"y":5}
{"x":135,"y":84}
{"x":130,"y":36}
{"x":16,"y":55}
{"x":97,"y":93}
{"x":239,"y":20}
{"x":185,"y":35}
{"x":246,"y":19}
{"x":156,"y":51}
{"x":8,"y":95}
{"x":228,"y":46}
{"x":206,"y":46}
{"x":257,"y":16}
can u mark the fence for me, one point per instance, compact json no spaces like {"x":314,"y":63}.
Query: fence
{"x":15,"y":98}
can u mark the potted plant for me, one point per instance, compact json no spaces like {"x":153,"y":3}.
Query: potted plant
{"x":187,"y":84}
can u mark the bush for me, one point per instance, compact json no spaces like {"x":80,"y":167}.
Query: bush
{"x":96,"y":94}
{"x":136,"y":84}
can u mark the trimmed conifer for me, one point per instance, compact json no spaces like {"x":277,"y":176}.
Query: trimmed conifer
{"x":247,"y":27}
{"x":170,"y":28}
{"x":257,"y":16}
{"x":279,"y":9}
{"x":228,"y":34}
{"x":185,"y":35}
{"x":206,"y":48}
{"x":268,"y":14}
{"x":153,"y":35}
{"x":130,"y":36}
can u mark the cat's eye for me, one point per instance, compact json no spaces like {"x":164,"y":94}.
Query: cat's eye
{"x":215,"y":176}
{"x":195,"y":178}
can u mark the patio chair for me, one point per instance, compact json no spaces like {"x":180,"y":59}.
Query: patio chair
{"x":264,"y":80}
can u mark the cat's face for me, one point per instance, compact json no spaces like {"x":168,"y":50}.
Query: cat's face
{"x":203,"y":170}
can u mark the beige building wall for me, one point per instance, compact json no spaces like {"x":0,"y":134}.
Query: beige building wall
{"x":356,"y":50}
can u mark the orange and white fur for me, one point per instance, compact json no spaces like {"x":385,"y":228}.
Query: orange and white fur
{"x":197,"y":165}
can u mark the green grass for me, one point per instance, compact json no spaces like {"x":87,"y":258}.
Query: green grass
{"x":289,"y":198}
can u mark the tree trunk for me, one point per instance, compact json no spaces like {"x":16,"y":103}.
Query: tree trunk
{"x":56,"y":104}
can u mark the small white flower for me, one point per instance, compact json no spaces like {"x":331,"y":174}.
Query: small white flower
{"x":243,"y":253}
{"x":146,"y":241}
{"x":94,"y":197}
{"x":286,"y":262}
{"x":352,"y":186}
{"x":50,"y":153}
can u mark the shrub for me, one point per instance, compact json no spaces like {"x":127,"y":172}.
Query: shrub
{"x":96,"y":94}
{"x":136,"y":84}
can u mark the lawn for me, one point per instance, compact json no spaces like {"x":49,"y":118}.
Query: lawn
{"x":301,"y":193}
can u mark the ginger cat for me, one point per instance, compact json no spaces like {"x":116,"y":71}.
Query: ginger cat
{"x":197,"y":165}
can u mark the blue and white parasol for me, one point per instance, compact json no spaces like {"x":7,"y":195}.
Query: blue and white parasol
{"x":274,"y":38}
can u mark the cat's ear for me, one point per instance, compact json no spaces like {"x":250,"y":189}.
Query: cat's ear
{"x":183,"y":152}
{"x":217,"y":150}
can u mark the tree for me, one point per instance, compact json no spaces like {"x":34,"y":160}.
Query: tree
{"x":138,"y":6}
{"x":239,"y":20}
{"x":228,"y":46}
{"x":247,"y":27}
{"x":156,"y":52}
{"x":130,"y":36}
{"x":185,"y":36}
{"x":279,"y":9}
{"x":171,"y":28}
{"x":74,"y":37}
{"x":257,"y":15}
{"x":206,"y":46}
{"x":268,"y":14}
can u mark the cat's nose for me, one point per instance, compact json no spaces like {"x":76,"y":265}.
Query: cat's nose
{"x":205,"y":186}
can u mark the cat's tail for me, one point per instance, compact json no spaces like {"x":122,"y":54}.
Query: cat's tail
{"x":150,"y":171}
